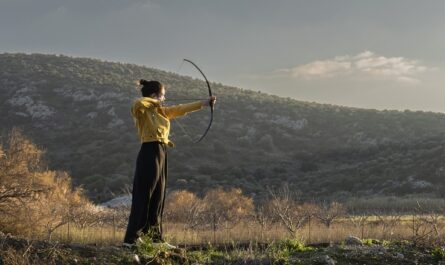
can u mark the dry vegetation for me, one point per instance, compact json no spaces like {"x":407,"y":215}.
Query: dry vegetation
{"x":42,"y":204}
{"x":35,"y":201}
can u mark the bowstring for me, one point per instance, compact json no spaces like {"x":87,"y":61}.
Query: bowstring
{"x":181,"y":126}
{"x":183,"y":129}
{"x":180,"y":66}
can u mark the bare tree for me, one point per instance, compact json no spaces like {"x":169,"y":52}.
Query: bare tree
{"x":121,"y":214}
{"x":185,"y":207}
{"x":359,"y":219}
{"x":226,"y":208}
{"x":434,"y":219}
{"x":291,"y":213}
{"x":327,"y":213}
{"x":32,"y":199}
{"x":265,"y":217}
{"x":86,"y":214}
{"x":427,"y":225}
{"x":17,"y":164}
{"x":388,"y":221}
{"x":56,"y":206}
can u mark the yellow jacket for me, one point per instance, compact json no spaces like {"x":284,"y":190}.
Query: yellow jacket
{"x":153,"y":120}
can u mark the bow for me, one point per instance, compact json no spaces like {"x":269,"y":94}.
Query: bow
{"x":211,"y":102}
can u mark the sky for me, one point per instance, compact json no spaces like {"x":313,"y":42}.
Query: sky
{"x":379,"y":54}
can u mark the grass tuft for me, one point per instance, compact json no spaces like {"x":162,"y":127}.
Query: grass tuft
{"x":281,"y":251}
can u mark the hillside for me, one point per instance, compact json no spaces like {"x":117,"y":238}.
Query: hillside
{"x":78,"y":110}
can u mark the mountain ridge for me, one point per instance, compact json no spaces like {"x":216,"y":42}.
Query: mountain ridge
{"x":78,"y":109}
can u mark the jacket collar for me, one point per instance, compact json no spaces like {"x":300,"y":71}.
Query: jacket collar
{"x":153,"y":101}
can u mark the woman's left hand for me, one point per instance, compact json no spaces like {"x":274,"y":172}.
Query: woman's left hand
{"x":210,"y":102}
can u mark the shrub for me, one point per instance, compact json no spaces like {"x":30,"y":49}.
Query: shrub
{"x":281,"y":251}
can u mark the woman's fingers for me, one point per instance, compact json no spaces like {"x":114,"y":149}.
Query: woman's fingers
{"x":211,"y":102}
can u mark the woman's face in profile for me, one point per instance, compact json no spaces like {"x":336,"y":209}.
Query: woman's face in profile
{"x":160,"y":96}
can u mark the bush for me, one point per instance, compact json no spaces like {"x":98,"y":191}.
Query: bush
{"x":33,"y":199}
{"x":438,"y":253}
{"x":281,"y":251}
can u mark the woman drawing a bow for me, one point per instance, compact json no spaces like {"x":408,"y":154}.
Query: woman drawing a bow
{"x":152,"y":121}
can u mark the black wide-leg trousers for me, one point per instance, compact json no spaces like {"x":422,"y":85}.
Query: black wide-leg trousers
{"x":148,"y":192}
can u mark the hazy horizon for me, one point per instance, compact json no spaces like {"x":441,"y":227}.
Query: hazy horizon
{"x":375,"y":55}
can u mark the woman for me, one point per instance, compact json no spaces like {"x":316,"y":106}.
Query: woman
{"x":152,"y":120}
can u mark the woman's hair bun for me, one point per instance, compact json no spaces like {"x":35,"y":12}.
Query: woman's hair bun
{"x":150,"y":87}
{"x":143,"y":82}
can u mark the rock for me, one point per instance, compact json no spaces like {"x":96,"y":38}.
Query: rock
{"x":328,"y":260}
{"x":324,"y":260}
{"x":181,"y":182}
{"x":121,"y":201}
{"x":400,"y":256}
{"x":136,"y":259}
{"x":353,"y":240}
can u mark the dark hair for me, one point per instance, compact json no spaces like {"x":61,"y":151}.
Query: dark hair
{"x":150,"y":87}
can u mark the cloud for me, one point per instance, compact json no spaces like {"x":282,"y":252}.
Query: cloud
{"x":363,"y":65}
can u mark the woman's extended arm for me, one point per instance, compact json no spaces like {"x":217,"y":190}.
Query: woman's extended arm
{"x":182,"y":109}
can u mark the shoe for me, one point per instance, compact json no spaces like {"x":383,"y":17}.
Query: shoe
{"x":133,"y":245}
{"x":164,"y":245}
{"x":128,"y":245}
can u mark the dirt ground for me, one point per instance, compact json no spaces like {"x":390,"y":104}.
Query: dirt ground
{"x":18,"y":250}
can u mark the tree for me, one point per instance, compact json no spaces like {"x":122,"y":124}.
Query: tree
{"x":185,"y":207}
{"x":264,"y":216}
{"x":18,"y":163}
{"x":427,"y":223}
{"x":291,"y":213}
{"x":32,"y":198}
{"x":359,"y":219}
{"x":226,"y":207}
{"x":56,"y":205}
{"x":389,"y":221}
{"x":327,"y":213}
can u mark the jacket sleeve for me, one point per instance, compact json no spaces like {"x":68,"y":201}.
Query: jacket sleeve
{"x":182,"y":109}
